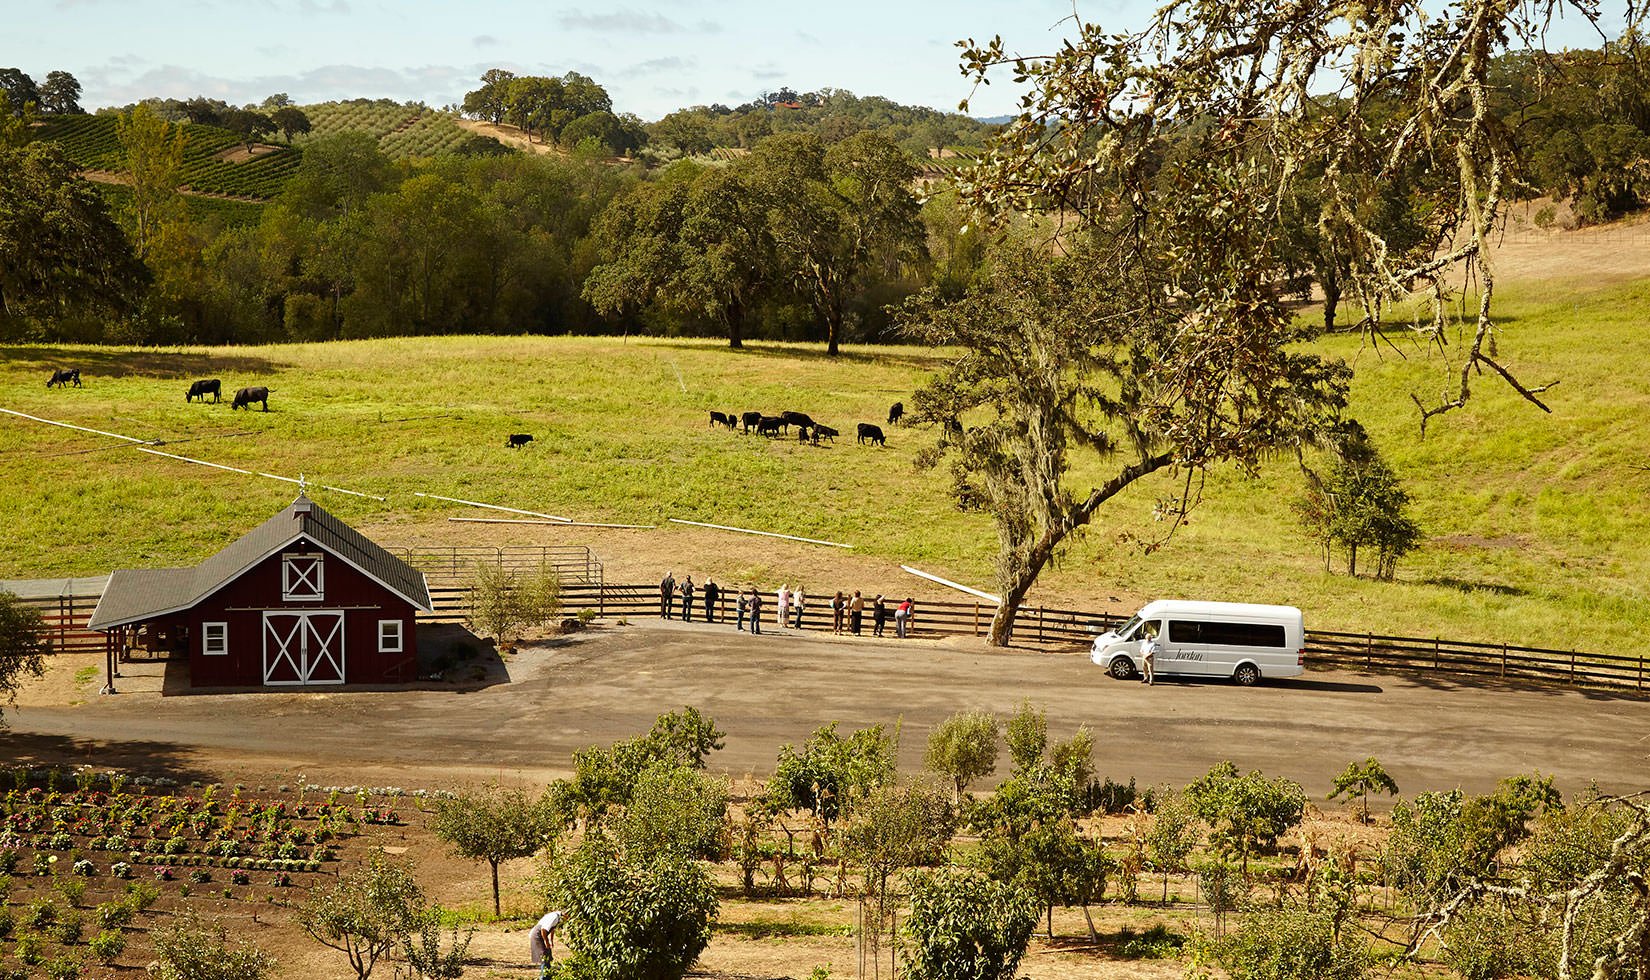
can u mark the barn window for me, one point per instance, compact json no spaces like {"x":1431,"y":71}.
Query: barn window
{"x":301,"y":578}
{"x":389,"y":636}
{"x":214,"y":639}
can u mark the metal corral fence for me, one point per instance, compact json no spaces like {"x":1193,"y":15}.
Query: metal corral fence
{"x":65,"y":619}
{"x":573,"y":563}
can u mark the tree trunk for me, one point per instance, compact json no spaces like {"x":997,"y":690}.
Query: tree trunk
{"x":496,"y":912}
{"x":1352,"y":558}
{"x":1331,"y":302}
{"x":1015,"y":589}
{"x":736,"y":324}
{"x":1094,"y":934}
{"x":833,"y":330}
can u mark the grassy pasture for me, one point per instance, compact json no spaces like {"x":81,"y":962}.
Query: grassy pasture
{"x":1535,"y":522}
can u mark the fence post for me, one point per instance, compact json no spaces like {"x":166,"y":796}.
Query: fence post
{"x":601,"y":600}
{"x":1504,"y":658}
{"x":1369,"y":650}
{"x":1039,"y":624}
{"x":1641,"y":670}
{"x":1572,"y":666}
{"x":1435,"y":654}
{"x":976,"y":617}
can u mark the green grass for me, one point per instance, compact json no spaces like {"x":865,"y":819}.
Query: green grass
{"x":1535,"y":521}
{"x":94,"y":143}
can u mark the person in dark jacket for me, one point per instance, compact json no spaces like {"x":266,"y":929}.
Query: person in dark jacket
{"x":687,"y":599}
{"x":879,"y":614}
{"x":711,"y":593}
{"x":667,"y":595}
{"x":756,"y":612}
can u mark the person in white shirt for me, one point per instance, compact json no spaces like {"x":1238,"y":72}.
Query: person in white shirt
{"x":542,"y":938}
{"x":1148,"y":655}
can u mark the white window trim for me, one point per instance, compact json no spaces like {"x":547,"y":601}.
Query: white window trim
{"x":206,"y":639}
{"x":400,"y":638}
{"x":288,"y":579}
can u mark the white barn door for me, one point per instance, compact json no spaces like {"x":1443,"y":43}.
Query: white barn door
{"x":302,"y":648}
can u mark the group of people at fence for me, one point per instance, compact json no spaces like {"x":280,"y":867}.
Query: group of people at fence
{"x":676,"y":600}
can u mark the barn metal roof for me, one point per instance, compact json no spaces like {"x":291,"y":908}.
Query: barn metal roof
{"x":138,"y":594}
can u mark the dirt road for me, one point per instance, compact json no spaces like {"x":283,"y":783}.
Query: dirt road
{"x":610,"y":683}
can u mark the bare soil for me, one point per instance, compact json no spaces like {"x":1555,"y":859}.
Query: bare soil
{"x":241,"y":153}
{"x":508,"y":135}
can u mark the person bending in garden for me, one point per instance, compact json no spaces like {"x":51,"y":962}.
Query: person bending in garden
{"x":541,"y":939}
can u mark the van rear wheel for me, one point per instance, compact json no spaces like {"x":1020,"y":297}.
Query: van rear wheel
{"x":1247,"y":675}
{"x":1122,"y":668}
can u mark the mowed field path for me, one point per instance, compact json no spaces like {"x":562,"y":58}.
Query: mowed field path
{"x":1432,"y":733}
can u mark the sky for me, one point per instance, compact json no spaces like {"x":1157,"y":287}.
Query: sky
{"x":653,"y":56}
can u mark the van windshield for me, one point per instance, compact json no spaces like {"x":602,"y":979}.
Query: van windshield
{"x":1126,"y":631}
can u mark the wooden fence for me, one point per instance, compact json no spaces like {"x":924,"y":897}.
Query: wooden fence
{"x":65,"y":625}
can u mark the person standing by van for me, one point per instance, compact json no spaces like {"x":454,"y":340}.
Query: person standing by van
{"x":1148,"y":654}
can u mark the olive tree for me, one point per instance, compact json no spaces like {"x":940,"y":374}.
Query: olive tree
{"x":1245,"y":811}
{"x":893,"y":829}
{"x":1175,"y":830}
{"x":964,"y":748}
{"x":365,"y":914}
{"x":1359,"y":780}
{"x":23,"y":647}
{"x":504,"y":603}
{"x":493,"y":824}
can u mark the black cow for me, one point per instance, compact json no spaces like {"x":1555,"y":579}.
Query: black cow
{"x":722,"y":418}
{"x":517,"y":440}
{"x":797,"y":419}
{"x":825,"y":431}
{"x":770,"y":425}
{"x":896,"y":413}
{"x":750,"y":419}
{"x":62,"y":377}
{"x":201,"y":389}
{"x":246,"y":396}
{"x":867,"y":431}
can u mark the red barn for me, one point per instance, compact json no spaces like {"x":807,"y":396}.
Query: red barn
{"x":303,"y":599}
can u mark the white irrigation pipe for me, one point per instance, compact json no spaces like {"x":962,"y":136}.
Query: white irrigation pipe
{"x":947,"y":582}
{"x":197,"y":462}
{"x":765,"y":534}
{"x":506,"y":520}
{"x":80,"y":428}
{"x":507,"y":510}
{"x":271,"y":476}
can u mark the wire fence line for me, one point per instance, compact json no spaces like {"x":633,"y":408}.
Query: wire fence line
{"x":1046,"y":627}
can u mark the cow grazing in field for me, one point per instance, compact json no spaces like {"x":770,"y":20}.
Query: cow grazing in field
{"x":63,"y":377}
{"x":722,"y":418}
{"x":824,"y":431}
{"x":896,"y":413}
{"x":871,"y":433}
{"x":750,"y":419}
{"x":517,"y":440}
{"x":798,"y":419}
{"x":246,"y":396}
{"x":770,"y":425}
{"x":200,"y":389}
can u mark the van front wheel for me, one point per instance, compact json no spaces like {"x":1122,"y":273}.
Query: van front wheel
{"x":1122,"y":668}
{"x":1247,"y":675}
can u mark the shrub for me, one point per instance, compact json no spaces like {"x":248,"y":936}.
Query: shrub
{"x":41,"y":914}
{"x":238,"y":877}
{"x":142,"y":894}
{"x":8,"y":860}
{"x":113,"y":915}
{"x":1292,"y":943}
{"x":630,"y":919}
{"x":965,"y":926}
{"x":29,"y":950}
{"x":69,"y":928}
{"x":200,"y":876}
{"x":120,"y":869}
{"x":7,"y":922}
{"x":108,"y":945}
{"x":63,"y":968}
{"x":365,"y":913}
{"x":195,"y":950}
{"x":84,"y":868}
{"x":43,"y":864}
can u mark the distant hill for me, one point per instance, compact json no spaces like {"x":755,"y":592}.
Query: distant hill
{"x":995,"y":120}
{"x":403,"y":130}
{"x":215,"y":161}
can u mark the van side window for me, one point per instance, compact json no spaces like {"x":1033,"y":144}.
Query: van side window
{"x":1228,"y":634}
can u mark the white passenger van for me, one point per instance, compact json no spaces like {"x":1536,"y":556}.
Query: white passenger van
{"x":1210,"y":639}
